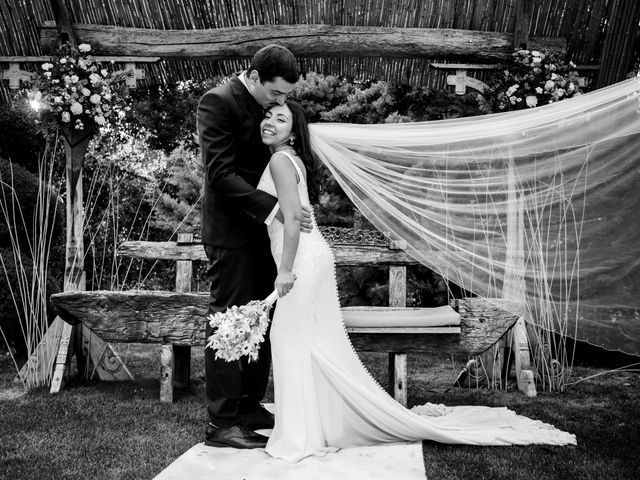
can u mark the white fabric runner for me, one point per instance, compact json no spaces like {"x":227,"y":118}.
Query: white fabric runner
{"x":396,"y":460}
{"x":399,"y":460}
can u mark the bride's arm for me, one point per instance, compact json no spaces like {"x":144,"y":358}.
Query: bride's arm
{"x":286,"y":182}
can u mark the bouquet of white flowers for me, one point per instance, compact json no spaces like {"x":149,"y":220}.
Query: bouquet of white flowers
{"x":240,"y":330}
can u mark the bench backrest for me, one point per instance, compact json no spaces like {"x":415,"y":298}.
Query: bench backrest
{"x":349,"y":249}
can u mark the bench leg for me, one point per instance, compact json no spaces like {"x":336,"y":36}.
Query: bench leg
{"x":166,"y":373}
{"x":398,"y":376}
{"x":524,"y":374}
{"x":182,"y":366}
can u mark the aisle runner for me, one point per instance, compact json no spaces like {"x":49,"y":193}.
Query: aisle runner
{"x":380,"y":462}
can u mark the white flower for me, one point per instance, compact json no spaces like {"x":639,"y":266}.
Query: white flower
{"x":47,"y":66}
{"x":100,"y":120}
{"x":536,"y":60}
{"x":82,"y":64}
{"x":512,"y":89}
{"x":536,"y":53}
{"x":532,"y":101}
{"x":554,"y":76}
{"x":107,"y":96}
{"x":539,"y":90}
{"x":76,"y":108}
{"x":66,"y":118}
{"x":94,"y":78}
{"x":95,"y":99}
{"x":57,"y":99}
{"x":512,"y":100}
{"x":67,"y":79}
{"x":560,"y":92}
{"x":47,"y":74}
{"x":63,"y":60}
{"x":104,"y":72}
{"x":74,"y":78}
{"x":86,"y":92}
{"x":549,"y":85}
{"x":84,"y":47}
{"x":571,"y":87}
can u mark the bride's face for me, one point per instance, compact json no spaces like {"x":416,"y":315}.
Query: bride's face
{"x":275,"y":128}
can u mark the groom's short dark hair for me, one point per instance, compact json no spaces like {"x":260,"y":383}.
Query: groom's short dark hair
{"x":275,"y":61}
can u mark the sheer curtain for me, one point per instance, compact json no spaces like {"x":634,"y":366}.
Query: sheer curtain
{"x":540,"y":207}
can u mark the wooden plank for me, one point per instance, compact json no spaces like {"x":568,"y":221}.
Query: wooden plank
{"x":37,"y":371}
{"x":465,"y":66}
{"x":61,"y":359}
{"x":182,"y":353}
{"x":397,"y":286}
{"x":344,"y":255}
{"x":520,"y":345}
{"x":400,"y":378}
{"x":166,"y":374}
{"x":105,"y":361}
{"x":405,"y":330}
{"x":320,"y":40}
{"x":97,"y":58}
{"x":177,"y":318}
{"x":364,"y":316}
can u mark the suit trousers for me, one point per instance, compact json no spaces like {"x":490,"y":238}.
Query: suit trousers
{"x":238,"y":275}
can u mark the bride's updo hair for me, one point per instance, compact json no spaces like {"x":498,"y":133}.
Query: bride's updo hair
{"x":301,"y":144}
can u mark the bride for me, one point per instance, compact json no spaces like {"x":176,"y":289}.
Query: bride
{"x":324,"y":397}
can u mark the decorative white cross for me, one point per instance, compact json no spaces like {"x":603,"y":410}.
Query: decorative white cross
{"x":138,"y":74}
{"x":461,"y":80}
{"x":15,"y":75}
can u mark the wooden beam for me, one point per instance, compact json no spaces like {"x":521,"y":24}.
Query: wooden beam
{"x":302,"y":40}
{"x":64,"y":26}
{"x":97,"y":58}
{"x":345,"y":255}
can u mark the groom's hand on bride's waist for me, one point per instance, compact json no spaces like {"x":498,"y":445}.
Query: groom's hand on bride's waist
{"x":306,"y":222}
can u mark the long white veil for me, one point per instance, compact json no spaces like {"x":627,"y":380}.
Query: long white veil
{"x":541,"y":206}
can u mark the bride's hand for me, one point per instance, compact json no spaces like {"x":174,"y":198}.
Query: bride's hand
{"x":284,"y":283}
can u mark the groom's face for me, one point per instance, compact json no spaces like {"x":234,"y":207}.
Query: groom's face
{"x":269,"y":93}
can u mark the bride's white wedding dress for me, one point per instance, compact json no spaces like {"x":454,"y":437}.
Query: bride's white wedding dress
{"x":324,"y":397}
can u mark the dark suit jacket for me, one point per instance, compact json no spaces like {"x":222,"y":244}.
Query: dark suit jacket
{"x":233,"y":211}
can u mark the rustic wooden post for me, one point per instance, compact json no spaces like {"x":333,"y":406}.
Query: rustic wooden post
{"x":166,"y":373}
{"x":66,"y":33}
{"x":521,"y":27}
{"x":75,"y":149}
{"x":182,"y":353}
{"x":514,"y":288}
{"x":75,"y":146}
{"x":398,"y":298}
{"x":106,"y":361}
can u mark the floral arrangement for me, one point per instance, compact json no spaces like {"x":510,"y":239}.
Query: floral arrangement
{"x":77,"y":92}
{"x":531,"y":79}
{"x":240,"y":330}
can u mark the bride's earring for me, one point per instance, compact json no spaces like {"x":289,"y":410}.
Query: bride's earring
{"x":291,"y":140}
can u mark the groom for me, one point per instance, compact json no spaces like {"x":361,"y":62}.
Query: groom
{"x":234,"y":218}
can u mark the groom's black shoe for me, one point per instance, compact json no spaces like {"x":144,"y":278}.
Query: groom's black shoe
{"x":237,"y":436}
{"x":259,"y":419}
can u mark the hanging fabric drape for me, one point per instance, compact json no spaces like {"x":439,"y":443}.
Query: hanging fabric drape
{"x":540,"y":207}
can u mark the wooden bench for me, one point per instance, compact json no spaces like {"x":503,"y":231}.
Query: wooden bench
{"x":176,"y":319}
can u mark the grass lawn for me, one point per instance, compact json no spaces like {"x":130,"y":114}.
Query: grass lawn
{"x":99,"y":430}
